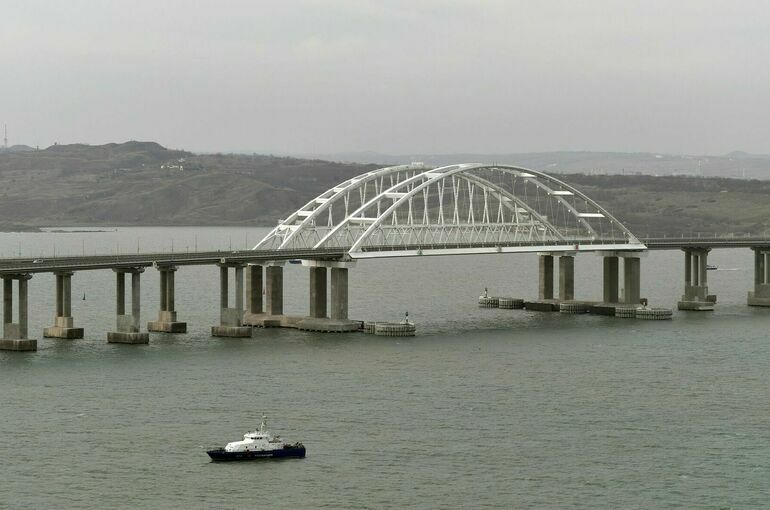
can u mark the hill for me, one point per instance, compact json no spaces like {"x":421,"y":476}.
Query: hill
{"x":144,"y":183}
{"x":681,"y":205}
{"x":735,"y":164}
{"x":16,"y":148}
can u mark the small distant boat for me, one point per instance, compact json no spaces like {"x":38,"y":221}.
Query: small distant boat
{"x":259,"y":444}
{"x":710,"y":267}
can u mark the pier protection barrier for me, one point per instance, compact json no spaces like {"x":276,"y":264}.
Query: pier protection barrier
{"x":489,"y":302}
{"x":542,"y":305}
{"x":654,"y":313}
{"x":626,"y":311}
{"x":574,"y":307}
{"x":607,"y":309}
{"x":324,"y":325}
{"x":510,"y":303}
{"x":394,"y":329}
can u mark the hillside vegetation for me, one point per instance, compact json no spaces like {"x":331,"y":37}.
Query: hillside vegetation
{"x":143,"y":183}
{"x":676,"y":205}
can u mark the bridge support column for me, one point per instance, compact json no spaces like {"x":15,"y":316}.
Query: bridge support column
{"x":696,"y":292}
{"x":231,"y":319}
{"x":167,"y":322}
{"x":272,"y":316}
{"x":15,"y":333}
{"x":761,"y":294}
{"x":632,"y":276}
{"x":611,"y":273}
{"x":63,"y":322}
{"x":254,"y":289}
{"x":254,"y":315}
{"x":274,"y":289}
{"x":566,"y":277}
{"x":339,"y":281}
{"x":545,"y":276}
{"x":128,"y":325}
{"x":317,"y":292}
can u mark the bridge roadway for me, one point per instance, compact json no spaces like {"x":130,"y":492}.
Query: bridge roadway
{"x":81,"y":263}
{"x":679,"y":243}
{"x":110,"y":261}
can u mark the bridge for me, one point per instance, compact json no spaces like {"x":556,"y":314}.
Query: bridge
{"x":398,"y":211}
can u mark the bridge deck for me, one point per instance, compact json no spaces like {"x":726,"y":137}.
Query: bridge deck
{"x":92,"y":262}
{"x":677,"y":243}
{"x":81,"y":263}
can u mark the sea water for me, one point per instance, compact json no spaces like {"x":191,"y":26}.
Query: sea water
{"x":484,"y":408}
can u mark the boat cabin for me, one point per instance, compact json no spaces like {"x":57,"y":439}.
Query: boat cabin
{"x":259,"y":440}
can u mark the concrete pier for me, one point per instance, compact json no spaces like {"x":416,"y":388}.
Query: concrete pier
{"x":761,"y":294}
{"x":611,"y":297}
{"x":318,"y":319}
{"x":317,"y":292}
{"x":339,"y":293}
{"x":272,"y":316}
{"x":546,"y":301}
{"x":167,"y":320}
{"x":15,"y":333}
{"x":230,"y":318}
{"x":274,"y":289}
{"x":611,"y":273}
{"x":128,"y":331}
{"x":566,"y":277}
{"x":632,"y":277}
{"x":63,"y":322}
{"x":545,"y":276}
{"x":254,"y":314}
{"x":696,"y":292}
{"x":254,"y":289}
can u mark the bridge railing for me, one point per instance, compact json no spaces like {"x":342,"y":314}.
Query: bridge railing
{"x":703,"y":235}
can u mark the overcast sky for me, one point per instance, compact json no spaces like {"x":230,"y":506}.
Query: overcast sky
{"x":685,"y":76}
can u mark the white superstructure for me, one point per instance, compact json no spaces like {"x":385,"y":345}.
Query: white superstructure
{"x":469,"y":208}
{"x":258,"y":441}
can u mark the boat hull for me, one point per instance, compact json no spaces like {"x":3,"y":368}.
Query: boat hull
{"x":220,"y":455}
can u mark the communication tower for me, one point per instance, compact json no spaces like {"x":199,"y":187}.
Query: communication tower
{"x":5,"y":137}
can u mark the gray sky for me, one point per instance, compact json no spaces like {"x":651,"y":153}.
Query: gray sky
{"x":686,"y":76}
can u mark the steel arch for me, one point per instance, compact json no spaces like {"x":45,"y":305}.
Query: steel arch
{"x":557,"y":217}
{"x":289,"y":229}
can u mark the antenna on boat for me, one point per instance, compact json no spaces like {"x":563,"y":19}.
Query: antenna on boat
{"x":263,"y":425}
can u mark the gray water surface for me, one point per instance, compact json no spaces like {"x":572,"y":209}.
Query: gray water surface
{"x":483,"y":409}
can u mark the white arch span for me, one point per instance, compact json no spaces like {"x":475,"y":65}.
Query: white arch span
{"x":409,"y":210}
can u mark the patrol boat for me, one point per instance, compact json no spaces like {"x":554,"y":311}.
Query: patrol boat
{"x":259,"y":444}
